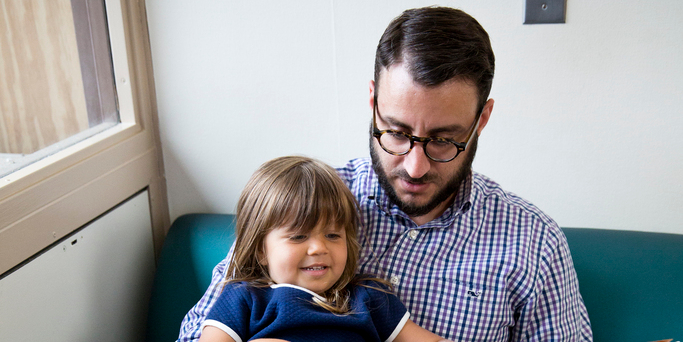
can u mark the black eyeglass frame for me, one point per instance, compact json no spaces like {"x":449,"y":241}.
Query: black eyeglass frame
{"x":461,"y":146}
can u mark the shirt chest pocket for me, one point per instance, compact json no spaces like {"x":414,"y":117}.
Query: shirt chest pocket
{"x":449,"y":303}
{"x":454,"y":292}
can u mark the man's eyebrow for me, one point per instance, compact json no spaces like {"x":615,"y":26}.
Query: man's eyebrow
{"x":450,"y":129}
{"x":396,"y":123}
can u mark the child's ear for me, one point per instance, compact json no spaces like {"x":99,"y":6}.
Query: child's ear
{"x":261,"y":258}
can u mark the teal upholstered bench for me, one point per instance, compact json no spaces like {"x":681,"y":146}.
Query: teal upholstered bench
{"x":631,"y":282}
{"x":195,"y":243}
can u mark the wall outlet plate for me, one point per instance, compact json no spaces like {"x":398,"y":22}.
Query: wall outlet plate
{"x":545,"y":11}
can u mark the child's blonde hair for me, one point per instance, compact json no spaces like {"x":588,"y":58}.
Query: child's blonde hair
{"x":300,"y":193}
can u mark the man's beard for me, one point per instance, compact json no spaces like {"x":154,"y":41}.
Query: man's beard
{"x":451,"y":187}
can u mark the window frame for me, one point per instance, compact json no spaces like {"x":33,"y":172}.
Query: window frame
{"x":52,"y":197}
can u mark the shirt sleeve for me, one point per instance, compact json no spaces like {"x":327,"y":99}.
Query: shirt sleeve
{"x":346,"y":173}
{"x":190,"y":328}
{"x":232,"y":311}
{"x":556,"y":311}
{"x":388,"y":314}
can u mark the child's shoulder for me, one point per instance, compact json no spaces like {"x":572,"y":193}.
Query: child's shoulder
{"x":372,"y":284}
{"x":237,"y":286}
{"x":244,"y":290}
{"x":376,"y":297}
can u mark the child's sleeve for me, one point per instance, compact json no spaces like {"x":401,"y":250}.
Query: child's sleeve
{"x":231,"y":312}
{"x":387,"y":312}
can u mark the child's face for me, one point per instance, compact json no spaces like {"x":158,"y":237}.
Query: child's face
{"x":314,"y":261}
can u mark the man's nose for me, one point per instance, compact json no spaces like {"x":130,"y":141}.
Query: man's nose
{"x":416,"y":162}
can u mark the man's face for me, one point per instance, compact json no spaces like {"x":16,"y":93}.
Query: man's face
{"x":423,"y":188}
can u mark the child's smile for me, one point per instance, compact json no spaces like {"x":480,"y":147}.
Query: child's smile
{"x":313,"y":260}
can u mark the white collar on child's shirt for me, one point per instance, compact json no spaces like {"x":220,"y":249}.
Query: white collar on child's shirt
{"x":275,"y":286}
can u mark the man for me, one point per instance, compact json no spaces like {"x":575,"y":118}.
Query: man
{"x":469,"y":260}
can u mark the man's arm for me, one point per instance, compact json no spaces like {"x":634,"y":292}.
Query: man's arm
{"x":413,"y":332}
{"x":556,"y":311}
{"x":190,"y":327}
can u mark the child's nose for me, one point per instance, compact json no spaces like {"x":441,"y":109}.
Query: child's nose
{"x":317,"y":246}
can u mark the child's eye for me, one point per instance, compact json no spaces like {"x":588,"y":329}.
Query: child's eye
{"x":334,"y":236}
{"x":298,"y":238}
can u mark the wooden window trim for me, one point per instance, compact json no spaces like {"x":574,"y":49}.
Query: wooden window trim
{"x":51,"y":198}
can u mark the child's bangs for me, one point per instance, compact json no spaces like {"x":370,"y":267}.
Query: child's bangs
{"x":317,"y":200}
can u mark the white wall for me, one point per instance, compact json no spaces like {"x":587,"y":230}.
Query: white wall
{"x":588,"y":120}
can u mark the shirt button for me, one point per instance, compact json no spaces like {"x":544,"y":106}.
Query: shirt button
{"x":394,"y":280}
{"x":413,"y":234}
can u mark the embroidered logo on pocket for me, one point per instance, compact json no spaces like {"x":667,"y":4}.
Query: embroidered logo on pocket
{"x":474,"y":294}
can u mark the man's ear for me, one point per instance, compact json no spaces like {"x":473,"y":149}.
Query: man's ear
{"x":485,"y":115}
{"x":372,"y":94}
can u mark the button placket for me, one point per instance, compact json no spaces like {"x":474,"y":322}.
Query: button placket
{"x":413,"y":234}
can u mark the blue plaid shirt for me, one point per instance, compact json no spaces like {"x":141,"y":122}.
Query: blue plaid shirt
{"x":492,"y":267}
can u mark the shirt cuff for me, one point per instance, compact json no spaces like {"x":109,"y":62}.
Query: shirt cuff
{"x":399,"y":327}
{"x":226,"y":329}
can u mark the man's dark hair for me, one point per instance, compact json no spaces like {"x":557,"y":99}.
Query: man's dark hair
{"x":438,"y":44}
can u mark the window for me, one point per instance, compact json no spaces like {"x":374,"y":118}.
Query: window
{"x":66,"y":188}
{"x":58,"y":78}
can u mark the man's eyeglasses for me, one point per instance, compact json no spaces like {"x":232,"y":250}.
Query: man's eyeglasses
{"x":438,"y":149}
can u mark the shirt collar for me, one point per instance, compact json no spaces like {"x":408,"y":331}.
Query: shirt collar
{"x":315,"y":295}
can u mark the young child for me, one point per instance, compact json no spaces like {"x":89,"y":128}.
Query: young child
{"x":294,"y":262}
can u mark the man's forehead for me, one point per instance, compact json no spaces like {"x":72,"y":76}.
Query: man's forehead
{"x":398,"y":85}
{"x":399,"y":74}
{"x":402,"y":103}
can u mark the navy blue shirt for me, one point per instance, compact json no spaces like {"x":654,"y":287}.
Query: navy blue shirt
{"x":288,"y":312}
